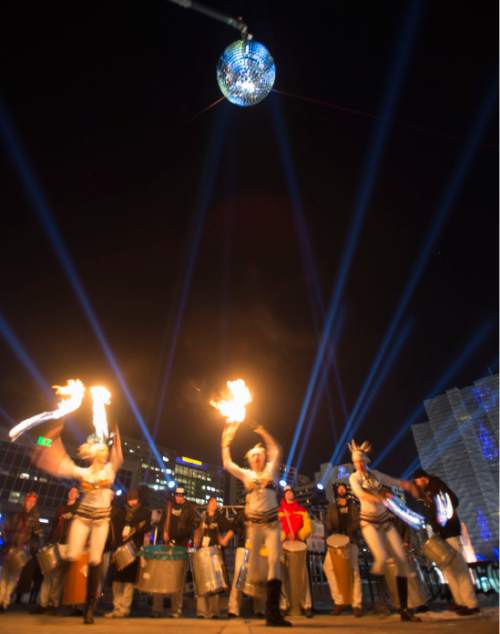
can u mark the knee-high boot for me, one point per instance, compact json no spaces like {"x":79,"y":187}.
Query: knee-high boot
{"x":406,"y":615}
{"x":273,"y":614}
{"x":92,"y":589}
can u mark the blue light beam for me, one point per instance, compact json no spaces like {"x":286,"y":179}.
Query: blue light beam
{"x":370,"y":170}
{"x":439,"y":387}
{"x":44,"y":214}
{"x":449,"y":197}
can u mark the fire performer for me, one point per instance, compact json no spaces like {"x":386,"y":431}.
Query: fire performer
{"x":261,"y":509}
{"x":296,"y":526}
{"x":376,"y":522}
{"x":92,"y":517}
{"x":22,"y":536}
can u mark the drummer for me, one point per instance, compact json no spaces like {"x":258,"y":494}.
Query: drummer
{"x":457,"y":573}
{"x":52,"y":584}
{"x":22,"y":531}
{"x":129,"y":525}
{"x":296,"y":525}
{"x":176,"y":527}
{"x":235,"y":594}
{"x":343,"y":519}
{"x":214,"y":530}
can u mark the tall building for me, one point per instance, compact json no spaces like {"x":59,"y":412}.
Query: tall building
{"x":459,"y":444}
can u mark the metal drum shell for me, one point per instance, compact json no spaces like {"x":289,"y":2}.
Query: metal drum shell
{"x":439,"y":551}
{"x":16,"y":559}
{"x":295,"y":574}
{"x":418,"y":593}
{"x":339,"y":551}
{"x":253,"y":585}
{"x":208,"y":571}
{"x":124,"y":555}
{"x":49,"y":558}
{"x":162,"y":576}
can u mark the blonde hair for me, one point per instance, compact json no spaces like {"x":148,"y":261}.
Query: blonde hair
{"x":88,"y":450}
{"x":258,"y":448}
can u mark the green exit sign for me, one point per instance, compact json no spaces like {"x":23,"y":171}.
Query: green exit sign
{"x":45,"y":442}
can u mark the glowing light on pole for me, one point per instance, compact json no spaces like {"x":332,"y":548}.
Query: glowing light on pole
{"x":71,"y":398}
{"x":233,"y":408}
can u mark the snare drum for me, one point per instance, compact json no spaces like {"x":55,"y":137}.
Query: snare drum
{"x":15,"y":560}
{"x":339,"y":551}
{"x":439,"y":551}
{"x":75,"y":581}
{"x":295,"y":574}
{"x":49,"y":558}
{"x":124,"y":555}
{"x":208,"y":571}
{"x":162,"y":569}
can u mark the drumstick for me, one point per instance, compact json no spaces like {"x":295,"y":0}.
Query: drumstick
{"x":166,"y":531}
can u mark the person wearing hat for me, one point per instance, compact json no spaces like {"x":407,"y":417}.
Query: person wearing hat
{"x":130,"y":524}
{"x":343,"y":519}
{"x":441,"y":504}
{"x":177,"y":527}
{"x":296,"y":525}
{"x":376,"y":522}
{"x":261,"y":510}
{"x":22,"y":531}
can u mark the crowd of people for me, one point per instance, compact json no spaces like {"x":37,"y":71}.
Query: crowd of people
{"x":93,"y":539}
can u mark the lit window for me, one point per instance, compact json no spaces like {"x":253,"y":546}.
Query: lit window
{"x":24,"y":476}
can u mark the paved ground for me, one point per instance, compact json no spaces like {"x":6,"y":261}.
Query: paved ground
{"x":432,"y":623}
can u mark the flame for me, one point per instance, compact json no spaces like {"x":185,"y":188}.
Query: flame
{"x":71,"y":398}
{"x":234,"y":408}
{"x":100,"y":398}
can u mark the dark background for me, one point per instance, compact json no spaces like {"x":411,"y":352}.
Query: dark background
{"x":107,"y":100}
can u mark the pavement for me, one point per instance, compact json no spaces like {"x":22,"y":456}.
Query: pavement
{"x":445,"y":622}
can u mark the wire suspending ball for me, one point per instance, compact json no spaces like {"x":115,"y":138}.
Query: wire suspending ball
{"x":246,"y":72}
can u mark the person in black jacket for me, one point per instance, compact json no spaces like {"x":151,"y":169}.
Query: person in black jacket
{"x":130,"y":524}
{"x":214,"y":530}
{"x":343,"y":518}
{"x":441,"y":504}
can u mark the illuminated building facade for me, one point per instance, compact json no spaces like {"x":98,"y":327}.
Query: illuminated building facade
{"x":459,"y":444}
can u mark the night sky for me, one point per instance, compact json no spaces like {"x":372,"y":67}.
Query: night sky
{"x":107,"y":101}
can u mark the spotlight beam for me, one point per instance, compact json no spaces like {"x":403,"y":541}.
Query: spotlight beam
{"x":209,"y":173}
{"x":471,"y":347}
{"x":48,"y":223}
{"x":381,"y":377}
{"x":446,"y":202}
{"x":400,"y":62}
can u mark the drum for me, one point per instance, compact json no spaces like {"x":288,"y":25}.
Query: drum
{"x":418,"y":593}
{"x":124,"y":555}
{"x":253,"y":584}
{"x":49,"y":558}
{"x":439,"y":551}
{"x":295,"y":575}
{"x":15,"y":560}
{"x":339,"y":549}
{"x":162,"y":569}
{"x":208,"y":571}
{"x":75,"y":581}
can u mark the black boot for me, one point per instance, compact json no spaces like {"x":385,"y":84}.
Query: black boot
{"x":406,"y":614}
{"x":92,"y":588}
{"x":273,"y":614}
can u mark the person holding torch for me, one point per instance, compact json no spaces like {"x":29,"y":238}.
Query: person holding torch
{"x":260,"y":482}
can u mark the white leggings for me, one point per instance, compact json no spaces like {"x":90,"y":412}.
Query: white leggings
{"x":81,"y":530}
{"x":269,"y":535}
{"x":384,"y":543}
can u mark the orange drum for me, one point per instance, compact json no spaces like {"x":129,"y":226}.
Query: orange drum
{"x":75,"y":582}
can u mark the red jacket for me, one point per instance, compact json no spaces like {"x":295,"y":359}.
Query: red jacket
{"x":294,"y":520}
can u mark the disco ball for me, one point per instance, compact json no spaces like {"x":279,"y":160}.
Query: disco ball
{"x":246,"y":72}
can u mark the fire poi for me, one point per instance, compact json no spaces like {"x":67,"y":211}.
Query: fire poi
{"x":103,"y":451}
{"x":234,"y":408}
